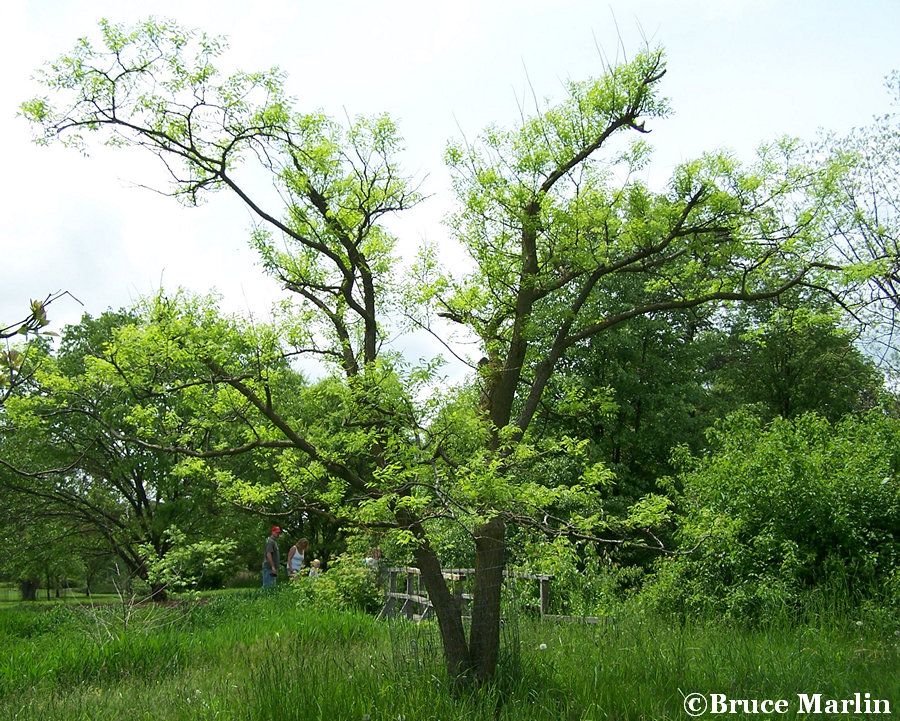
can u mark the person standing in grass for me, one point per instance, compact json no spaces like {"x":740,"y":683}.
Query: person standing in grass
{"x":271,"y":559}
{"x":296,"y":556}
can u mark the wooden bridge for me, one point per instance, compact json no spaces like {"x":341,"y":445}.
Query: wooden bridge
{"x":406,"y":596}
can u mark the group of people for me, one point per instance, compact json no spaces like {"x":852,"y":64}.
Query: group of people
{"x":295,"y":559}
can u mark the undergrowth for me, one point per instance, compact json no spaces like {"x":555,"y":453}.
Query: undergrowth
{"x":256,"y":657}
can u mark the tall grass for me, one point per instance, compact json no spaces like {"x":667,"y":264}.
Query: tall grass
{"x":254,"y":657}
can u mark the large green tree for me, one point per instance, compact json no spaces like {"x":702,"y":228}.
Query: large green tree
{"x":636,"y":391}
{"x":789,"y":358}
{"x":68,"y":458}
{"x":553,"y":218}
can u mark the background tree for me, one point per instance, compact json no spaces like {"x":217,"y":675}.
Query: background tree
{"x":15,"y":368}
{"x":791,"y":357}
{"x":67,"y":457}
{"x":646,"y":379}
{"x":22,"y":540}
{"x":867,"y":225}
{"x":552,"y":229}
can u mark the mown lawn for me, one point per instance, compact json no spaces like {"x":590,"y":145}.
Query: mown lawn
{"x":11,"y":595}
{"x":249,"y":657}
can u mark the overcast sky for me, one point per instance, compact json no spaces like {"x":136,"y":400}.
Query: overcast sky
{"x":740,"y":72}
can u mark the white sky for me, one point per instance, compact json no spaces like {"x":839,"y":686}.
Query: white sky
{"x":739,"y":72}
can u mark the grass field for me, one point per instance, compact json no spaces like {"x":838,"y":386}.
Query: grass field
{"x":250,"y":657}
{"x":11,"y":595}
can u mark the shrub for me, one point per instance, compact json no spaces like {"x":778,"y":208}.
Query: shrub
{"x":189,"y":566}
{"x":779,"y":510}
{"x":348,"y":585}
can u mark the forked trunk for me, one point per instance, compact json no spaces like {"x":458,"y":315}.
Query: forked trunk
{"x":474,"y":662}
{"x":28,"y":589}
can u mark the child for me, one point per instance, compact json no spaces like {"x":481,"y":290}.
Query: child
{"x":314,"y":568}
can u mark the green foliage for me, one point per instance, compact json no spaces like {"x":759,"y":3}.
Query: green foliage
{"x":670,"y":378}
{"x":789,"y":358}
{"x":773,"y":512}
{"x":348,"y":584}
{"x":91,"y":443}
{"x":567,"y":244}
{"x":189,"y":566}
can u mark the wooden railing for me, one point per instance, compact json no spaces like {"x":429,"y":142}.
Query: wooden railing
{"x":406,"y":595}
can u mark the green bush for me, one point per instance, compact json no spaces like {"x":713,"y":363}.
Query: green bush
{"x":348,"y":584}
{"x":584,"y":581}
{"x":774,"y":512}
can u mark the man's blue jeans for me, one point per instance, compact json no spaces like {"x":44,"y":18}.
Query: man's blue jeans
{"x":268,"y":578}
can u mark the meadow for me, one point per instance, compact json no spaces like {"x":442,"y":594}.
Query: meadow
{"x":252,"y":657}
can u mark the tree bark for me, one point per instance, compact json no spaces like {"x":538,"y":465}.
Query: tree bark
{"x":28,"y":589}
{"x":158,"y":593}
{"x":445,"y":604}
{"x":484,"y":642}
{"x":449,"y":617}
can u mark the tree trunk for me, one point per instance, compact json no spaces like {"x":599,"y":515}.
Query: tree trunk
{"x":158,"y":593}
{"x":475,"y":661}
{"x":447,"y":611}
{"x":484,"y":642}
{"x":28,"y":589}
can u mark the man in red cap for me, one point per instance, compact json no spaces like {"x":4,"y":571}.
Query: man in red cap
{"x":271,"y":559}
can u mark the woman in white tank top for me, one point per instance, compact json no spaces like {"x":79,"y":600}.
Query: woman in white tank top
{"x":296,"y":556}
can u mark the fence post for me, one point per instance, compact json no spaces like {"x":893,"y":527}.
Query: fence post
{"x":458,"y":590}
{"x":391,"y":603}
{"x":545,"y":596}
{"x":408,"y":605}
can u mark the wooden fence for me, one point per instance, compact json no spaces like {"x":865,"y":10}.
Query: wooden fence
{"x":406,"y":595}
